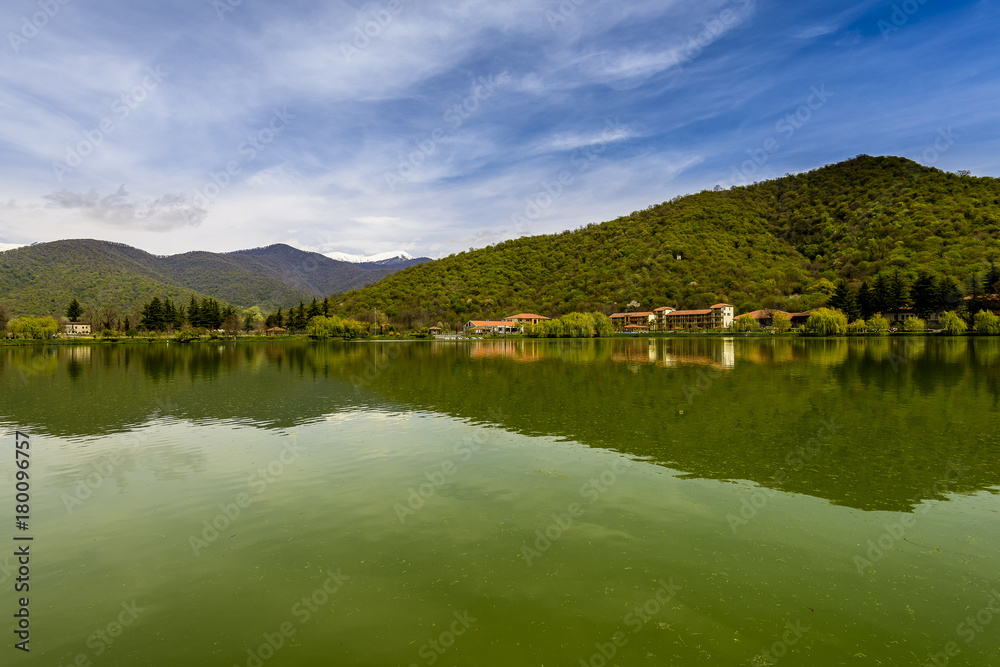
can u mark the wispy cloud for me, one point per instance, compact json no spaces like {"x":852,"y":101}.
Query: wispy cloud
{"x":166,"y":213}
{"x":695,"y":85}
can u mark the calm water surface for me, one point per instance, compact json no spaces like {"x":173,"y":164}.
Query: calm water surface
{"x":631,"y":502}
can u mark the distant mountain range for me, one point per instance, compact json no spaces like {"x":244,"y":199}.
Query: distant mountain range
{"x":42,"y":278}
{"x":383,"y":258}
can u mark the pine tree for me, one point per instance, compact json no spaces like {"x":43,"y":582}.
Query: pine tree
{"x":866,"y":301}
{"x":840,"y":296}
{"x":74,"y":311}
{"x":881,"y":293}
{"x":949,"y":294}
{"x":991,"y":284}
{"x":899,"y":293}
{"x":314,"y":310}
{"x":169,"y":313}
{"x":194,"y":314}
{"x":152,"y":315}
{"x":925,"y":295}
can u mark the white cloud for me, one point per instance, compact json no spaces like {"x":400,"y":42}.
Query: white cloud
{"x":165,"y":213}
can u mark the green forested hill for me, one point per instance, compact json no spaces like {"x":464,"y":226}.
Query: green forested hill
{"x":781,"y":243}
{"x":42,"y":279}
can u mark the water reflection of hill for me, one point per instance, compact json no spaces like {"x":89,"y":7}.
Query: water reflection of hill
{"x":713,"y":408}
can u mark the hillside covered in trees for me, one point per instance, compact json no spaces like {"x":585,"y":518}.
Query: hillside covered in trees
{"x":41,"y":279}
{"x":784,"y":243}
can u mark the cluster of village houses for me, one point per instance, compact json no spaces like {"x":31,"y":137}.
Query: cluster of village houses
{"x":719,"y":316}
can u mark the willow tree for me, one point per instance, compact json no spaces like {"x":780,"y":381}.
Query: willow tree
{"x":827,"y":322}
{"x":952,"y":324}
{"x":986,"y":323}
{"x":878,"y":325}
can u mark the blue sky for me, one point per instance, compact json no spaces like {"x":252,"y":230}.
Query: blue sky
{"x":437,"y":127}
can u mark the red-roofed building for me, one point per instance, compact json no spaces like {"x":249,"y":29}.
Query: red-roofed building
{"x":521,"y":320}
{"x":765,"y":316}
{"x":719,"y":316}
{"x":485,"y":327}
{"x":621,"y":321}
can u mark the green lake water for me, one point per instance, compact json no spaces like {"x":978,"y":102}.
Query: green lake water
{"x":683,"y":501}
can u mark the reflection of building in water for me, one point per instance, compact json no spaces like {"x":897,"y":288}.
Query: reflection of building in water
{"x":728,"y":353}
{"x":670,"y":353}
{"x":515,"y":350}
{"x":81,"y":353}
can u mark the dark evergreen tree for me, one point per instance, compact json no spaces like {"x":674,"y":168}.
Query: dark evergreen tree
{"x":899,"y":292}
{"x":326,"y":307}
{"x":976,"y":300}
{"x":845,"y":299}
{"x":211,"y":314}
{"x":194,"y":314}
{"x":949,"y":294}
{"x":840,"y":296}
{"x":169,"y":313}
{"x":926,"y":298}
{"x":866,"y":301}
{"x":313,"y":310}
{"x":74,"y":311}
{"x":991,"y":284}
{"x":152,"y":315}
{"x":881,"y":294}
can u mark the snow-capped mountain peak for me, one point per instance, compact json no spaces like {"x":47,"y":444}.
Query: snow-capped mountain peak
{"x":363,"y":259}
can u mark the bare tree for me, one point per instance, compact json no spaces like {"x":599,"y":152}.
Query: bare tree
{"x":108,"y":318}
{"x":232,"y":324}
